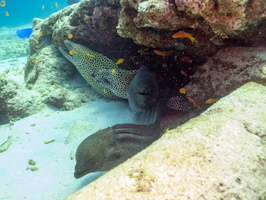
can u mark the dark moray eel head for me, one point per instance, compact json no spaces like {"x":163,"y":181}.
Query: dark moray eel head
{"x":143,"y":95}
{"x":107,"y":148}
{"x":96,"y":153}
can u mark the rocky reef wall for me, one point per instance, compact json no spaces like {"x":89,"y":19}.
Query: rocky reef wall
{"x":132,"y":30}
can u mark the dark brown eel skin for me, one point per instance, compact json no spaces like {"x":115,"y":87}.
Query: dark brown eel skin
{"x":109,"y":147}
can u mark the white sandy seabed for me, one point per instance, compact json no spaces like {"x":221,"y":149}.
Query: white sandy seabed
{"x":53,"y":178}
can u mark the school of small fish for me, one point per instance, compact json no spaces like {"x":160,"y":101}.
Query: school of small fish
{"x":54,"y":4}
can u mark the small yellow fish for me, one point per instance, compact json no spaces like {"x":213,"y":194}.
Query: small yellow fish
{"x":56,"y":4}
{"x":210,"y":101}
{"x":69,"y":36}
{"x":181,"y":34}
{"x":143,"y":51}
{"x":72,"y":52}
{"x":43,"y":7}
{"x":119,"y":61}
{"x":35,"y":40}
{"x":162,"y":53}
{"x":183,"y":73}
{"x":182,"y":90}
{"x":113,"y":71}
{"x":2,"y":3}
{"x":89,"y":55}
{"x":34,"y":60}
{"x":40,"y":33}
{"x":7,"y":13}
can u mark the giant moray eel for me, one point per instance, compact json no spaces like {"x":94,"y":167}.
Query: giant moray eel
{"x":89,"y":64}
{"x":143,"y":96}
{"x":108,"y":148}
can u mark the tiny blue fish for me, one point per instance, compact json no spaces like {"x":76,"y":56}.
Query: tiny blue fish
{"x":24,"y":33}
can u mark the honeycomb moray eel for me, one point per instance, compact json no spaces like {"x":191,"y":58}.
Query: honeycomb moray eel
{"x":117,"y":81}
{"x":89,"y":63}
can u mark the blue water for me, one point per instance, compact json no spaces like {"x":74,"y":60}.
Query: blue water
{"x":23,"y":12}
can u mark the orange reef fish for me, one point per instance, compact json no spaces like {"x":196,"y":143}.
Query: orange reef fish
{"x":113,"y":71}
{"x":186,"y":59}
{"x":210,"y":101}
{"x":3,"y":3}
{"x":35,"y":40}
{"x":182,"y":90}
{"x":40,"y":33}
{"x":43,"y":7}
{"x":69,"y":36}
{"x":119,"y":61}
{"x":56,"y":4}
{"x":183,"y":73}
{"x":7,"y":13}
{"x":181,"y":34}
{"x":72,"y":52}
{"x":162,"y":53}
{"x":89,"y":55}
{"x":194,"y":103}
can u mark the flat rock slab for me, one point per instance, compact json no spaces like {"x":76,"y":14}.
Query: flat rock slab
{"x":221,"y":154}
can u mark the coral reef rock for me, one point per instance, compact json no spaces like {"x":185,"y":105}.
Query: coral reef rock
{"x":211,"y":22}
{"x":227,"y":70}
{"x":47,"y":68}
{"x":87,"y":21}
{"x":16,"y":101}
{"x":50,"y":75}
{"x":220,"y":154}
{"x":65,"y":99}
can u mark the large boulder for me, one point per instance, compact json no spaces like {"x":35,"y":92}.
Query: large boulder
{"x":16,"y":101}
{"x":219,"y":155}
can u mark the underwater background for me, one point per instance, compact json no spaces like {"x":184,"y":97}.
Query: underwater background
{"x":23,"y":12}
{"x":201,"y":57}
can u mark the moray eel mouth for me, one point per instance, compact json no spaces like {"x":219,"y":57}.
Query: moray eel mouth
{"x":78,"y":173}
{"x":65,"y":50}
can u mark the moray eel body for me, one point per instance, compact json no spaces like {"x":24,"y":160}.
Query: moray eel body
{"x":143,"y":95}
{"x":89,"y":63}
{"x":118,"y":81}
{"x":109,"y":147}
